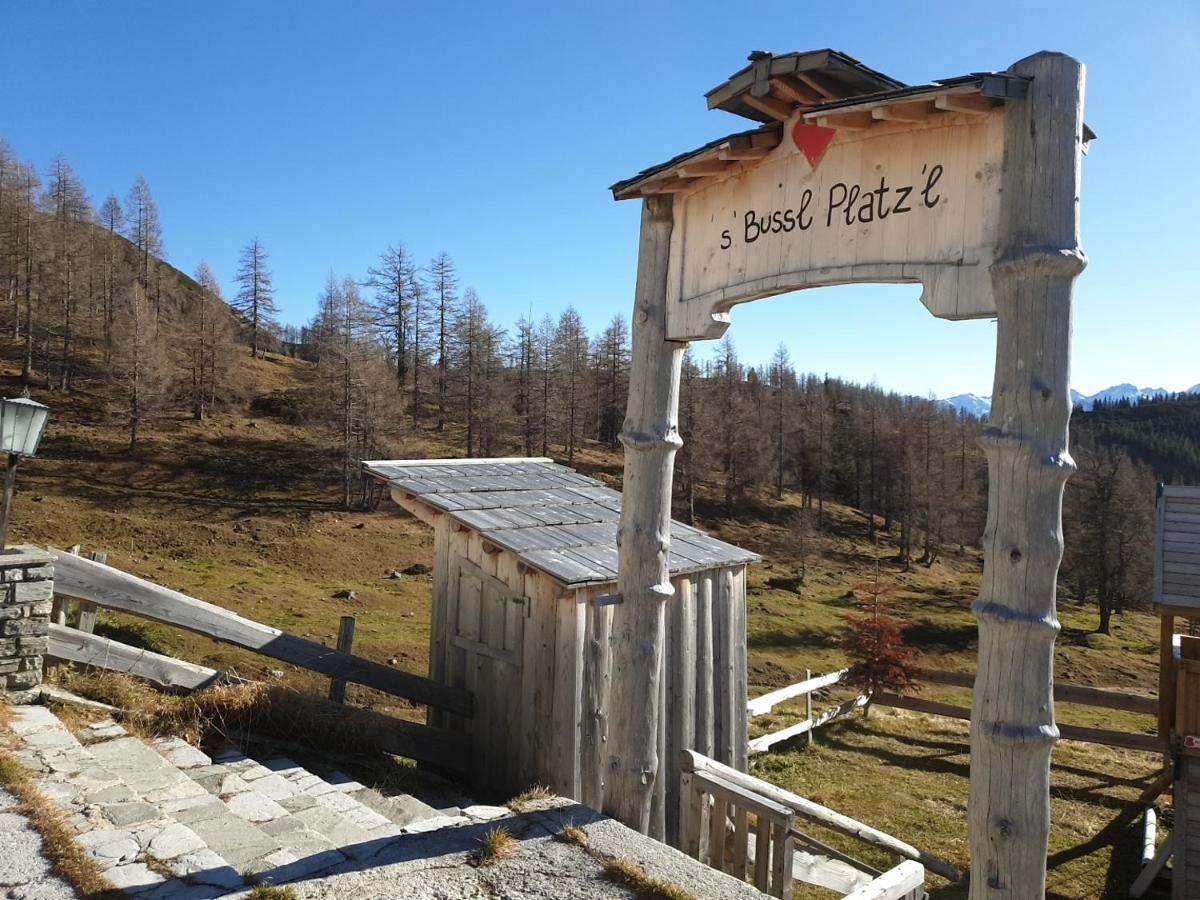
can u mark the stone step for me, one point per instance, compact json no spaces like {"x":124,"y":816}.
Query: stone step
{"x":123,"y":829}
{"x":143,"y":809}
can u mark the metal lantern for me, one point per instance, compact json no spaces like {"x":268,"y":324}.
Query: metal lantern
{"x":22,"y":422}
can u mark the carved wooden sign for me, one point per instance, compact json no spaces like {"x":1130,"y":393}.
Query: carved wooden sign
{"x":898,"y":202}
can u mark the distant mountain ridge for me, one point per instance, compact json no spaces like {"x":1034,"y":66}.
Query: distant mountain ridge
{"x":977,"y":406}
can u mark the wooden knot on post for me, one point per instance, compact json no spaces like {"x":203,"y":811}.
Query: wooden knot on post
{"x":1052,"y":262}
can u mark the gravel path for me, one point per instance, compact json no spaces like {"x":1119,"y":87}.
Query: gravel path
{"x":24,"y":874}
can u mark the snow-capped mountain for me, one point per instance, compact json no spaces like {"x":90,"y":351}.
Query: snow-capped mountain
{"x":971,"y":404}
{"x":975,"y":405}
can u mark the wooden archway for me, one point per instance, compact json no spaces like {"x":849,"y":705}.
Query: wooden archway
{"x":989,"y":170}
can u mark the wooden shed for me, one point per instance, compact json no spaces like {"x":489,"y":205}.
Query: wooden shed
{"x":525,"y":570}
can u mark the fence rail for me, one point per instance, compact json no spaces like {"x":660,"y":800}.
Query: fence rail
{"x":717,"y":802}
{"x":1063,"y":693}
{"x":95,"y":584}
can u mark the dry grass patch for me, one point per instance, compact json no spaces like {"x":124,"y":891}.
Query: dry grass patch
{"x":235,"y":711}
{"x":632,"y":877}
{"x":497,"y":844}
{"x":272,"y":892}
{"x":67,"y":859}
{"x":530,"y":795}
{"x":571,"y":834}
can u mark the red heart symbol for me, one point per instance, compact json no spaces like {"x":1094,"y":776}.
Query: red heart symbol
{"x":812,"y":141}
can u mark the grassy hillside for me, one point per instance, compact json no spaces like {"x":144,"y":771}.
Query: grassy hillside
{"x":242,"y":510}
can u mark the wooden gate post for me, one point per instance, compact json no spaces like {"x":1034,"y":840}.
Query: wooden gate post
{"x":650,"y":436}
{"x":1012,"y":720}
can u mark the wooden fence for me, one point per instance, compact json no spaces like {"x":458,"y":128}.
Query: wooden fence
{"x":1063,"y":693}
{"x":96,"y":585}
{"x":717,"y":803}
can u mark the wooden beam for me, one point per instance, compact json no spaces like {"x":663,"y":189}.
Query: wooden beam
{"x":650,"y":437}
{"x":669,"y":185}
{"x":114,"y":589}
{"x":73,"y":645}
{"x":1146,"y":877}
{"x":766,"y":741}
{"x":734,"y":154}
{"x":771,"y":106}
{"x":972,"y":104}
{"x":855,"y":120}
{"x":792,"y":90}
{"x":916,"y":111}
{"x":1037,"y":259}
{"x":702,"y":167}
{"x":905,"y":880}
{"x":820,"y":86}
{"x":766,"y":702}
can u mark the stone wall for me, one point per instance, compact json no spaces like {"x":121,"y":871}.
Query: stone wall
{"x":26,"y":594}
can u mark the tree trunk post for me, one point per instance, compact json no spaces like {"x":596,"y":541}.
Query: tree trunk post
{"x":1038,"y":258}
{"x":650,"y":437}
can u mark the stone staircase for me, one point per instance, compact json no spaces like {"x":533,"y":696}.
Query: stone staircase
{"x":166,"y":820}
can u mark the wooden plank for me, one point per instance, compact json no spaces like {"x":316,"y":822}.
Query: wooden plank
{"x":904,"y":880}
{"x":704,"y":663}
{"x":1166,"y":676}
{"x":781,"y":876}
{"x":815,"y":812}
{"x":763,"y":704}
{"x":741,"y":834}
{"x":727,"y":710}
{"x":680,"y":713}
{"x":566,"y":723}
{"x":765,"y":742}
{"x":762,"y":854}
{"x":538,"y":676}
{"x":1146,"y":877}
{"x":345,"y":644}
{"x":86,"y":649}
{"x":420,"y":742}
{"x":717,"y":818}
{"x":741,"y":671}
{"x":114,"y":589}
{"x":740,"y":796}
{"x":597,"y":674}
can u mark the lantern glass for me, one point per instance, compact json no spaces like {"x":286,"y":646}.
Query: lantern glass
{"x":22,"y":422}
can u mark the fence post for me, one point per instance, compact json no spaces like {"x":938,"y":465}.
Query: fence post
{"x":87,"y":609}
{"x":808,"y":741}
{"x":345,"y":644}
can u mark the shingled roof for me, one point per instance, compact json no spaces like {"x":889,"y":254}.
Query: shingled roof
{"x":554,"y":519}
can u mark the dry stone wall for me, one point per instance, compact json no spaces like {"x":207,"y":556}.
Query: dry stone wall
{"x":26,"y":595}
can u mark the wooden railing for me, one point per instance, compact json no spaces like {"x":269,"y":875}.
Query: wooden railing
{"x":763,"y":705}
{"x":1063,"y":693}
{"x":94,"y":584}
{"x":717,"y":804}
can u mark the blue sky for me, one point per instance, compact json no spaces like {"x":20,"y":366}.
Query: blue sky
{"x":492,"y":131}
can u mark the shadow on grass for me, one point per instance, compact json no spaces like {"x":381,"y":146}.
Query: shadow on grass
{"x":927,"y":635}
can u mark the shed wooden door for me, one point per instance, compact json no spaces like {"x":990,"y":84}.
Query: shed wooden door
{"x":487,"y":634}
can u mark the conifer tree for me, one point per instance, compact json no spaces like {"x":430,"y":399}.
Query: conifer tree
{"x":255,"y":299}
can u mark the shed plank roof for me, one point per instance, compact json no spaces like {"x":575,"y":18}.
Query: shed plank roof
{"x":551,"y":517}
